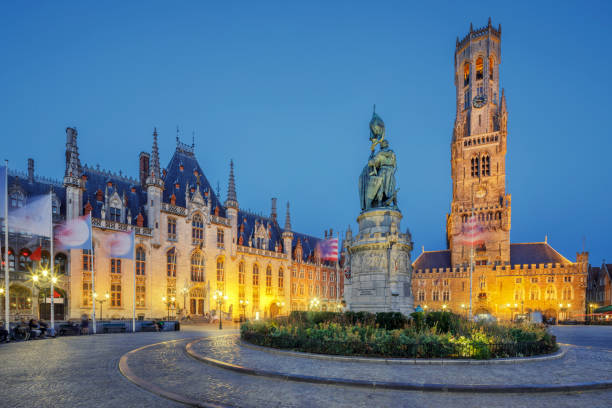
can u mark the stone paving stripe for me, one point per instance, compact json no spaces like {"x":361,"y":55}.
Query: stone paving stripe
{"x":125,"y":370}
{"x":459,"y":388}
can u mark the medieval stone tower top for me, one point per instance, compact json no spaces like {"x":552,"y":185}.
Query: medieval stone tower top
{"x":478,"y":151}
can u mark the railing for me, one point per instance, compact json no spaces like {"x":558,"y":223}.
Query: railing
{"x":174,"y":209}
{"x":119,"y":226}
{"x":262,"y":252}
{"x":220,"y":220}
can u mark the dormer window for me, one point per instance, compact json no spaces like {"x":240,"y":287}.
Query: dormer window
{"x":17,"y":199}
{"x":115,"y":214}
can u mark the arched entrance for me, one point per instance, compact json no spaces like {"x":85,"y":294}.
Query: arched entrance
{"x":196,"y":301}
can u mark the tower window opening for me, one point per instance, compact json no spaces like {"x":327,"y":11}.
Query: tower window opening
{"x":479,"y":120}
{"x":490,"y":67}
{"x":466,"y":73}
{"x":475,"y":166}
{"x":466,"y":99}
{"x":486,"y":166}
{"x":479,"y":68}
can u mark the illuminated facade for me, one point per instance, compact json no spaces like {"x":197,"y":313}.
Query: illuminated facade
{"x":189,"y":245}
{"x":508,"y":279}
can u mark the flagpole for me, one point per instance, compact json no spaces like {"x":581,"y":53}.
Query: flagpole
{"x":471,"y":256}
{"x":52,"y":261}
{"x":93,"y":279}
{"x":6,"y":260}
{"x":134,"y":265}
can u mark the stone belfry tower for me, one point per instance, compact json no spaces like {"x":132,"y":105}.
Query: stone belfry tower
{"x":478,"y":152}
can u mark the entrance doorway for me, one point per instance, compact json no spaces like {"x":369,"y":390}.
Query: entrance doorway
{"x":196,"y":301}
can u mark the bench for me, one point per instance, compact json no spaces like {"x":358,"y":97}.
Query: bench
{"x":113,"y":327}
{"x":69,"y":328}
{"x":150,"y":327}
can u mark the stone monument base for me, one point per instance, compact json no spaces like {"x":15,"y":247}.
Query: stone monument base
{"x":380,"y":266}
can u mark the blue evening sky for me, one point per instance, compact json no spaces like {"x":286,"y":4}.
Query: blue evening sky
{"x":286,"y":90}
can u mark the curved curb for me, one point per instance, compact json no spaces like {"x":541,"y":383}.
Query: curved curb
{"x":376,"y":360}
{"x":127,"y":372}
{"x":466,"y":388}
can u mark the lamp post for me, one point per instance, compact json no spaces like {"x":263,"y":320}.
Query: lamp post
{"x":184,"y":291}
{"x":220,"y":298}
{"x":243,"y":305}
{"x":101,"y":302}
{"x":464,"y":309}
{"x":314,"y":303}
{"x":591,"y":307}
{"x":280,"y":306}
{"x":168,"y":302}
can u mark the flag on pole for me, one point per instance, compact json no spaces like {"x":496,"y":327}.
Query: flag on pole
{"x":329,"y":249}
{"x":75,"y":233}
{"x":33,"y":218}
{"x":121,"y":244}
{"x":2,"y":190}
{"x":473,"y":233}
{"x":37,"y":254}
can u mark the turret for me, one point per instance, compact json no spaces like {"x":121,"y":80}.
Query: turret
{"x":287,"y":234}
{"x":231,"y":207}
{"x":155,"y":187}
{"x":72,"y":177}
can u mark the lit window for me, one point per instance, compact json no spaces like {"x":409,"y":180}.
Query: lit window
{"x":140,"y":261}
{"x":446,"y":296}
{"x":86,"y":294}
{"x":220,"y":238}
{"x":171,"y":263}
{"x":491,"y":63}
{"x":220,"y":275}
{"x":466,"y":73}
{"x":479,"y":68}
{"x":269,"y":281}
{"x":241,"y":273}
{"x":435,"y":296}
{"x":115,"y":295}
{"x":87,"y":260}
{"x":140,"y":294}
{"x":281,"y":276}
{"x":197,"y":266}
{"x":255,"y":275}
{"x":115,"y":265}
{"x":197,"y":230}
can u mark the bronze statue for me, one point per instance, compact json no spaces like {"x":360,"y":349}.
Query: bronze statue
{"x":377,"y":180}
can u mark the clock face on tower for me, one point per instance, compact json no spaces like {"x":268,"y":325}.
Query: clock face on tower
{"x":479,"y":101}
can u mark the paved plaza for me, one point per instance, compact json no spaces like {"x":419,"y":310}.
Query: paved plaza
{"x":84,"y":370}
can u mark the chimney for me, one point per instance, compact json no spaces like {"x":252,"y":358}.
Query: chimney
{"x":273,"y":214}
{"x":31,"y":170}
{"x":144,"y":168}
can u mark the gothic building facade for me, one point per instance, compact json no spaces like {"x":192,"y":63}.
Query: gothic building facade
{"x":507,"y":279}
{"x":189,"y":246}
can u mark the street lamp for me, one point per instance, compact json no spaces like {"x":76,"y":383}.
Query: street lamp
{"x":168,"y":302}
{"x":220,"y":298}
{"x":314,"y":303}
{"x":280,"y":306}
{"x":101,"y":302}
{"x":243,"y":305}
{"x":184,"y":291}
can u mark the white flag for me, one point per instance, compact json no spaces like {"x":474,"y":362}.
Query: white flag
{"x":33,"y":218}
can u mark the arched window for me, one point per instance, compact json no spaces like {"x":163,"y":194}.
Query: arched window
{"x":281,"y":277}
{"x":466,"y":73}
{"x":421,"y":296}
{"x":475,"y":166}
{"x":241,"y":279}
{"x":220,"y":274}
{"x":486,"y":165}
{"x":171,"y":263}
{"x":140,"y":261}
{"x":115,"y":214}
{"x":197,"y":266}
{"x":551,"y":293}
{"x":534,"y":293}
{"x":435,"y":296}
{"x":25,"y":263}
{"x":255,"y":275}
{"x":479,"y":68}
{"x":519,"y":294}
{"x":197,"y":230}
{"x":566,"y":294}
{"x":446,"y":295}
{"x":60,"y":264}
{"x":87,"y":259}
{"x":268,"y":280}
{"x":491,"y":64}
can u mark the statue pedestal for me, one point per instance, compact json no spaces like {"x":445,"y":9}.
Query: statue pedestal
{"x":379,"y":261}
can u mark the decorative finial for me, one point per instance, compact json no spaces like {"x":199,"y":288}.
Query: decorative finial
{"x":287,"y":219}
{"x":193,"y":139}
{"x":374,"y":111}
{"x":489,"y":25}
{"x":471,"y":27}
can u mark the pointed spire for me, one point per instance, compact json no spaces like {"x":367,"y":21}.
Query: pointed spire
{"x":232,"y":198}
{"x":155,"y":156}
{"x":288,"y":219}
{"x":489,"y":24}
{"x":73,"y":163}
{"x":471,"y":27}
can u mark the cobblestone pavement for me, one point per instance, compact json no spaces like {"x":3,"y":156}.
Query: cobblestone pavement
{"x":79,"y":370}
{"x":598,"y":337}
{"x":168,"y":367}
{"x":83,"y":371}
{"x":577,"y":366}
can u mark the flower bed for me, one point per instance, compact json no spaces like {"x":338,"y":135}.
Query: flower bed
{"x":425,"y":335}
